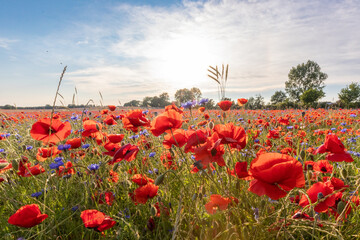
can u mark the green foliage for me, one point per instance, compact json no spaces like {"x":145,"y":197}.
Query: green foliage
{"x":309,"y":97}
{"x":256,"y":103}
{"x":184,"y":95}
{"x":350,"y":94}
{"x":132,"y":103}
{"x":157,"y":101}
{"x":304,"y":77}
{"x":196,"y":92}
{"x":278,"y":97}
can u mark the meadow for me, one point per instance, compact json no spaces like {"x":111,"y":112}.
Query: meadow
{"x":180,"y":173}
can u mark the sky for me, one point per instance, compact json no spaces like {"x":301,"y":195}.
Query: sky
{"x":131,"y":49}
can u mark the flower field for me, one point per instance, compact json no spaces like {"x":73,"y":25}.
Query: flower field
{"x":180,"y":173}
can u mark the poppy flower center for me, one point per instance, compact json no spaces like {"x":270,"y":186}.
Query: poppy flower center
{"x":323,"y":169}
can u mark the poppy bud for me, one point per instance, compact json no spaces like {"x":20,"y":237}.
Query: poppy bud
{"x":340,"y":207}
{"x":344,"y":173}
{"x":211,"y":125}
{"x":302,"y":155}
{"x":15,"y":164}
{"x":115,"y":167}
{"x":200,"y":196}
{"x":194,"y":197}
{"x":151,"y":224}
{"x":153,"y":210}
{"x":159,"y":179}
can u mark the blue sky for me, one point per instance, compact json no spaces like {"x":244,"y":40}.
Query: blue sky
{"x":132,"y":49}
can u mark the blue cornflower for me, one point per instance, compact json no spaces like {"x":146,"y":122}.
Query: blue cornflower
{"x":74,"y":208}
{"x":93,"y":167}
{"x":152,"y":154}
{"x":85,"y":146}
{"x":58,"y":159}
{"x":29,"y":147}
{"x":64,"y":147}
{"x":36,"y":194}
{"x":203,"y":101}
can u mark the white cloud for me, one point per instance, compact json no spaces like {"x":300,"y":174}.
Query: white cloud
{"x":261,"y":41}
{"x":5,"y":42}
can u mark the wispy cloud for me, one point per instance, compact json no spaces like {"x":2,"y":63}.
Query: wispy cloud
{"x":6,"y":43}
{"x":260,"y":40}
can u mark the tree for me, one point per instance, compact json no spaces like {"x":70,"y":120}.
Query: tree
{"x":350,"y":94}
{"x":183,"y":95}
{"x":255,"y":103}
{"x":305,"y":77}
{"x":164,"y":99}
{"x":196,"y":92}
{"x":210,"y":104}
{"x":146,"y":102}
{"x":278,"y":97}
{"x":259,"y":101}
{"x":132,"y":103}
{"x":311,"y":96}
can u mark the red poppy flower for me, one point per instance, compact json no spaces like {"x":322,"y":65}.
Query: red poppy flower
{"x":335,"y":148}
{"x":26,"y":170}
{"x":66,"y":170}
{"x":235,"y":136}
{"x":115,"y":138}
{"x":135,"y":119}
{"x":27,"y":216}
{"x":319,"y":191}
{"x":168,"y":161}
{"x":241,"y":170}
{"x":195,"y":138}
{"x":74,"y":142}
{"x":107,"y":197}
{"x":275,"y":174}
{"x":114,"y":176}
{"x":210,"y":151}
{"x":91,"y":127}
{"x":127,"y":152}
{"x":323,"y":166}
{"x":50,"y":131}
{"x":337,"y":183}
{"x":176,"y":138}
{"x":173,"y":107}
{"x":170,"y":119}
{"x":241,"y":101}
{"x":143,"y":193}
{"x":225,"y":105}
{"x":44,"y":153}
{"x":112,"y":107}
{"x":141,"y":180}
{"x":92,"y":218}
{"x":109,"y":120}
{"x":217,"y":202}
{"x":96,"y":220}
{"x":332,"y":144}
{"x":201,"y":109}
{"x":5,"y":165}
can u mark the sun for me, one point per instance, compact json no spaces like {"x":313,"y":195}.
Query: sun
{"x":182,"y":60}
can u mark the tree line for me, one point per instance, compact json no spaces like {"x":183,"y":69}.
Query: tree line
{"x":304,"y":88}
